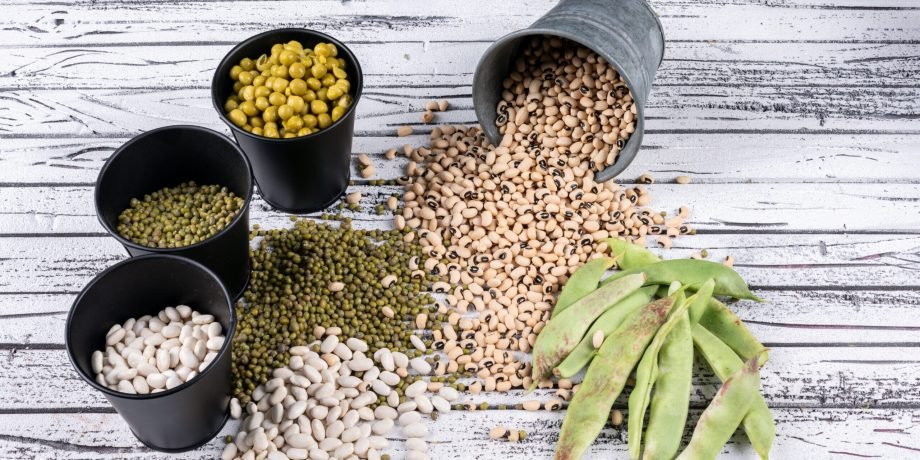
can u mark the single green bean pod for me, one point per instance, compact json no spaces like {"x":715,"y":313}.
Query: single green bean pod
{"x":729,"y":328}
{"x":693,"y":273}
{"x":583,"y":282}
{"x":723,"y":415}
{"x":647,"y":374}
{"x":630,"y":255}
{"x":758,"y":422}
{"x":563,"y":332}
{"x":701,"y":302}
{"x":612,"y":319}
{"x":671,"y":402}
{"x":605,"y":378}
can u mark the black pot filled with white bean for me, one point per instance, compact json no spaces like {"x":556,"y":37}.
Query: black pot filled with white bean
{"x":152,"y":334}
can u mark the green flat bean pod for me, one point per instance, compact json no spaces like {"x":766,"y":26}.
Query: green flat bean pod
{"x":583,"y":282}
{"x":608,"y":323}
{"x":723,"y":415}
{"x":701,"y":303}
{"x":758,"y":422}
{"x":693,"y":273}
{"x":605,"y":378}
{"x":729,"y":328}
{"x":671,"y":402}
{"x":630,"y":255}
{"x":563,"y":332}
{"x":647,"y":373}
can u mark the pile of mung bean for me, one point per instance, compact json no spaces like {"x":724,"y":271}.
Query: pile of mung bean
{"x":567,"y":101}
{"x":324,"y":404}
{"x":158,"y":352}
{"x":175,"y":217}
{"x":292,"y":92}
{"x":317,"y":276}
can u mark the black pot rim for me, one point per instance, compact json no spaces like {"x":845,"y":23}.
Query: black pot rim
{"x":114,"y":231}
{"x":226,"y":348}
{"x":219,"y":107}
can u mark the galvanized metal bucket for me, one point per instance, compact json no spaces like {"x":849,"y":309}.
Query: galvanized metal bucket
{"x":627,"y":33}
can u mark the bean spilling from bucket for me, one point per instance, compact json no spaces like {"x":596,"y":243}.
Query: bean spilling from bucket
{"x":510,"y":223}
{"x":151,"y":354}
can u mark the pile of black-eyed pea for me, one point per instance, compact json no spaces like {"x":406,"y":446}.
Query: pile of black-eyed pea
{"x":507,"y":224}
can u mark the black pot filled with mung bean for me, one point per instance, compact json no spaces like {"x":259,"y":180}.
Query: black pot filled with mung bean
{"x":289,"y":97}
{"x":581,"y":74}
{"x":181,"y":190}
{"x":153,"y":334}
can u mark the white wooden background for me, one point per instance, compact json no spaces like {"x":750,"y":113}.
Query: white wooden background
{"x":798,"y":120}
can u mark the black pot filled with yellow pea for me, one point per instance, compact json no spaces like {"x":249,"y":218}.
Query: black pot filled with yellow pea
{"x":289,"y":97}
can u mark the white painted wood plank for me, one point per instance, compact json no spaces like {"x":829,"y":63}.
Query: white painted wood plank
{"x":821,"y":433}
{"x":33,"y":24}
{"x":770,"y":159}
{"x":686,"y":63}
{"x":816,"y":377}
{"x":818,"y":207}
{"x":744,"y":109}
{"x":790,"y":318}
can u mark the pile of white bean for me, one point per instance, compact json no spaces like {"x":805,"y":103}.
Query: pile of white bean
{"x":155,"y":353}
{"x":321,"y":405}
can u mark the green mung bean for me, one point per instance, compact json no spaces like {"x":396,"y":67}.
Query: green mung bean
{"x":289,"y":294}
{"x":179,"y":216}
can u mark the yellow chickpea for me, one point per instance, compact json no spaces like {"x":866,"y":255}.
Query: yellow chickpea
{"x":324,"y":120}
{"x":279,"y":85}
{"x":270,"y":114}
{"x":298,"y":87}
{"x":297,"y":70}
{"x":285,"y":112}
{"x":296,"y":103}
{"x":235,"y":72}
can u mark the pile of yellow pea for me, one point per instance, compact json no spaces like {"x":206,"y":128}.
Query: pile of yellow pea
{"x":293,"y":92}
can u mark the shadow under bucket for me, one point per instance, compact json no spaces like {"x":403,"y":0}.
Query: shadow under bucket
{"x":191,"y":414}
{"x":167,"y":157}
{"x":627,"y":33}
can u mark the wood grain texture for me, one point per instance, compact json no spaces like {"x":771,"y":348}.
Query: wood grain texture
{"x":676,"y":109}
{"x":790,"y":158}
{"x":767,"y":207}
{"x":822,"y":433}
{"x":796,"y":119}
{"x":30,"y":24}
{"x":694,"y":63}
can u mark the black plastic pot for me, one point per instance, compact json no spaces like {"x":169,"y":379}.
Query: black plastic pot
{"x":166,"y":157}
{"x":186,"y":416}
{"x":301,"y":174}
